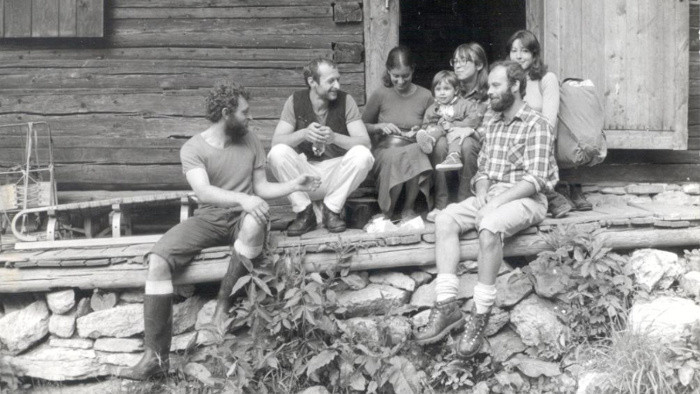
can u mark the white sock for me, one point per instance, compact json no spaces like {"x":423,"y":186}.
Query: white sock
{"x":248,"y":251}
{"x":446,"y":286}
{"x":484,"y":297}
{"x":159,"y":287}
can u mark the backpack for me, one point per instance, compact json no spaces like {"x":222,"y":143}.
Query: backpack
{"x":580,"y":137}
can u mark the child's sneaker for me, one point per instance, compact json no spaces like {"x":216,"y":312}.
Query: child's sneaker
{"x":451,"y":163}
{"x":432,"y":215}
{"x":425,"y":141}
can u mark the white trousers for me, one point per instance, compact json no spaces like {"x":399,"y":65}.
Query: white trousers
{"x":339,"y":176}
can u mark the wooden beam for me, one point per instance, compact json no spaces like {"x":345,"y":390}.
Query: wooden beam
{"x":381,"y":34}
{"x":14,"y":280}
{"x":88,"y":243}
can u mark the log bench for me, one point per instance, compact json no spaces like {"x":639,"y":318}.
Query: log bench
{"x":121,"y":266}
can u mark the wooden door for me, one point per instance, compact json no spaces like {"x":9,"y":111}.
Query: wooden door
{"x":381,"y":34}
{"x":636,"y":53}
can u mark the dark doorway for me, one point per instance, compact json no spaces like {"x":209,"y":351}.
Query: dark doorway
{"x":434,"y":28}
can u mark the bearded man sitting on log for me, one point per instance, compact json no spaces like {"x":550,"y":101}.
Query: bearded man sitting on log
{"x":225,"y":166}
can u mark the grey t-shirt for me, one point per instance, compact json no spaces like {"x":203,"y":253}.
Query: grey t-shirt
{"x":230,"y":168}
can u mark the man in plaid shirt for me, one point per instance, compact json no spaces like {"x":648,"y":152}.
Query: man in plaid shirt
{"x":516,"y":167}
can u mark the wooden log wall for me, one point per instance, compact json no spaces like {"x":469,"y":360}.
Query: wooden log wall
{"x":658,"y":165}
{"x":121,"y":106}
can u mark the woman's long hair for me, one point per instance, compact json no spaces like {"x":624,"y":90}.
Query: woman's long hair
{"x":475,"y":53}
{"x":397,"y":57}
{"x":537,"y":69}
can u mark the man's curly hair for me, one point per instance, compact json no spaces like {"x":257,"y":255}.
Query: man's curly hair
{"x":224,"y":94}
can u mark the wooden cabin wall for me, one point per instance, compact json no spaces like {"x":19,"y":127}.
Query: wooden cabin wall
{"x":657,"y":165}
{"x":120,"y":107}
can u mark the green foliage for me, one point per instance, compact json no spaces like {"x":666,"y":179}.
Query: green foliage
{"x":636,"y":362}
{"x":598,"y":283}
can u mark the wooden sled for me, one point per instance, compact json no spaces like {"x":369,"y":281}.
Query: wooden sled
{"x":116,"y":210}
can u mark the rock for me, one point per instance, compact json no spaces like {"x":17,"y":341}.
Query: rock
{"x":61,"y":302}
{"x":421,"y":318}
{"x":378,"y":330}
{"x":533,"y":367}
{"x":83,"y":307}
{"x":101,"y":301}
{"x":62,"y":325}
{"x":535,"y":320}
{"x":466,"y":286}
{"x":57,"y":364}
{"x":110,"y":360}
{"x":691,"y":188}
{"x":185,"y":314}
{"x":673,"y":198}
{"x":356,"y":281}
{"x":481,"y":388}
{"x":506,"y":344}
{"x":183,"y":341}
{"x":16,"y":302}
{"x":121,"y":321}
{"x":592,"y":382}
{"x":512,"y":287}
{"x":512,"y":380}
{"x":206,"y":338}
{"x":21,"y":329}
{"x":421,"y":277}
{"x":617,"y":190}
{"x":690,"y":282}
{"x":118,"y":345}
{"x":432,"y":270}
{"x":549,"y":281}
{"x":205,"y":314}
{"x":372,"y":300}
{"x":185,"y":291}
{"x":664,"y":317}
{"x":598,"y":199}
{"x":315,"y":390}
{"x":639,"y":200}
{"x":424,"y":296}
{"x":645,"y":188}
{"x":131,"y":296}
{"x":651,"y":265}
{"x":392,"y":278}
{"x":72,"y":343}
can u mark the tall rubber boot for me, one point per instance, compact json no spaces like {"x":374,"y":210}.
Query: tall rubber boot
{"x":235,"y":271}
{"x":158,"y":325}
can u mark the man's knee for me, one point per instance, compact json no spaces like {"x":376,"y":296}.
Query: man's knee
{"x":445,"y":225}
{"x":489,"y":240}
{"x":250,"y":229}
{"x":360,"y":157}
{"x":158,"y":268}
{"x":279,"y":153}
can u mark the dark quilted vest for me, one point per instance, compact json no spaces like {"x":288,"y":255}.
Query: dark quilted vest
{"x":335,"y":119}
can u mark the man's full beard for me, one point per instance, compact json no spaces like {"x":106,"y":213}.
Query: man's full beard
{"x":236,"y":131}
{"x":504,"y":101}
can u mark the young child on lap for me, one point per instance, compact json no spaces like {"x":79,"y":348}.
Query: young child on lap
{"x":450,"y":117}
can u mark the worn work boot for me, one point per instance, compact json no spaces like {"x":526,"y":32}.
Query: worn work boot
{"x":473,"y":336}
{"x":444,"y":317}
{"x":303,"y":223}
{"x":579,"y":200}
{"x":558,"y":205}
{"x":158,"y":323}
{"x":332,"y":221}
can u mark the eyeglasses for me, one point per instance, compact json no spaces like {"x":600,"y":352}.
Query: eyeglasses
{"x":459,"y":62}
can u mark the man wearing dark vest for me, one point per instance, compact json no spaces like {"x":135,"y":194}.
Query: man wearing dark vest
{"x":321,"y":133}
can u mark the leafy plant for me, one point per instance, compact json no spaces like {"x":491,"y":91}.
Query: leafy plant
{"x":598,"y":284}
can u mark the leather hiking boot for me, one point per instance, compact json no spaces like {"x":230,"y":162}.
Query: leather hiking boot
{"x":332,"y":221}
{"x":558,"y":205}
{"x":158,"y":322}
{"x":473,"y":337}
{"x":579,"y":200}
{"x":444,"y":317}
{"x":303,"y":223}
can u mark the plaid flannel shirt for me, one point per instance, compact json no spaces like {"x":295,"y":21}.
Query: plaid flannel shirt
{"x":522,"y":149}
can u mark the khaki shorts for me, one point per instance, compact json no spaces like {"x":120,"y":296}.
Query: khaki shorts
{"x":507,"y":220}
{"x":208,"y":227}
